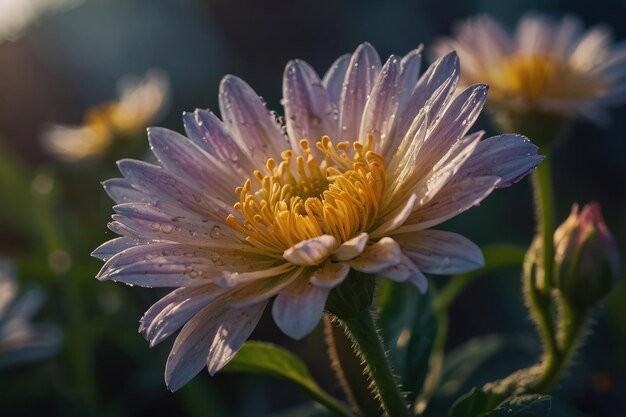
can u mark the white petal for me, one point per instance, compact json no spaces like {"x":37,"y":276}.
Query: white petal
{"x":249,"y":120}
{"x":231,"y":335}
{"x":162,"y":186}
{"x":351,"y":248}
{"x":121,"y":191}
{"x":446,"y":168}
{"x":378,"y":257}
{"x":333,"y":79}
{"x":360,"y":76}
{"x":380,"y":109}
{"x":434,"y":87}
{"x":311,"y":251}
{"x":406,"y":270}
{"x":167,"y":315}
{"x":509,"y":157}
{"x":209,"y":133}
{"x":213,"y":335}
{"x":298,"y":308}
{"x":410,"y":68}
{"x":308,"y":110}
{"x":330,"y":274}
{"x":233,"y":278}
{"x":149,"y":222}
{"x":108,"y":249}
{"x":264,"y":289}
{"x":186,"y":160}
{"x":453,"y":124}
{"x":439,"y":252}
{"x":397,"y":218}
{"x":453,"y":199}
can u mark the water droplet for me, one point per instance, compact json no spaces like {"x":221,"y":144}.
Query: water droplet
{"x":216,"y":232}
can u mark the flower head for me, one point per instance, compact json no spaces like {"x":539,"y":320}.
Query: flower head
{"x":587,"y":260}
{"x":547,"y":67}
{"x":139,"y":104}
{"x":245,"y":209}
{"x":20,"y":340}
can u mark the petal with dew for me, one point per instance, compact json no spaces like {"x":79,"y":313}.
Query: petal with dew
{"x":309,"y":112}
{"x":351,"y":248}
{"x":171,"y":312}
{"x":360,"y":77}
{"x":333,"y":79}
{"x":298,"y":308}
{"x":249,"y":120}
{"x":378,"y":257}
{"x":510,"y":157}
{"x":311,"y":251}
{"x":194,"y":342}
{"x":330,"y":274}
{"x":439,"y":252}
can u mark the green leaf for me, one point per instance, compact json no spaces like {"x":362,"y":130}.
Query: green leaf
{"x":474,"y":404}
{"x":268,"y":359}
{"x":409,"y":328}
{"x":523,"y":406}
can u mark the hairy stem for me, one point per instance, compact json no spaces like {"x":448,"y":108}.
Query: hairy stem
{"x":367,"y":345}
{"x":349,"y":369}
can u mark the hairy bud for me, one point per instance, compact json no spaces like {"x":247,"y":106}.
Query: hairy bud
{"x":586,"y":257}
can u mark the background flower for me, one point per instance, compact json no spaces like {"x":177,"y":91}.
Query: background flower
{"x":22,"y":341}
{"x":141,"y":102}
{"x":545,"y":66}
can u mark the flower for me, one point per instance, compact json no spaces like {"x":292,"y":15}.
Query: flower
{"x":18,"y":15}
{"x":243,"y":210}
{"x":587,"y":260}
{"x":20,"y":340}
{"x":140,"y":102}
{"x":546,"y":67}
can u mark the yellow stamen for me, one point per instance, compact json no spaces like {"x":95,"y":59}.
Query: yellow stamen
{"x":327,"y":190}
{"x":536,"y":76}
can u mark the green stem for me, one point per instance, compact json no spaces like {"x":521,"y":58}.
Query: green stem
{"x":544,"y":205}
{"x":362,"y":330}
{"x":538,"y":272}
{"x":348,"y":368}
{"x":573,"y":325}
{"x":540,"y":309}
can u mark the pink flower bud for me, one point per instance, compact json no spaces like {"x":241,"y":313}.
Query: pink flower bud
{"x":586,"y":257}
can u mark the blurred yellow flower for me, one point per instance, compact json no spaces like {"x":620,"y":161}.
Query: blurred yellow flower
{"x":547,"y":67}
{"x":17,"y":15}
{"x":140,"y":102}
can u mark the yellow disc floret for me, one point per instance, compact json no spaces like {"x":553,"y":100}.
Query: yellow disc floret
{"x":329,"y":190}
{"x":536,"y":76}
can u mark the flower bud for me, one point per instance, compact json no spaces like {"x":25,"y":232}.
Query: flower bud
{"x":586,"y":257}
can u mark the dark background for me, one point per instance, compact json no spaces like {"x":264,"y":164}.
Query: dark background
{"x":71,"y":60}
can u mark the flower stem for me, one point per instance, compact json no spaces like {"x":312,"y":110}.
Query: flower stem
{"x":368,"y":347}
{"x":544,"y":205}
{"x":348,"y":368}
{"x":538,"y":270}
{"x":571,"y":332}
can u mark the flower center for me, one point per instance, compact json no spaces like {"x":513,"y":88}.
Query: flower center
{"x":334,"y":190}
{"x":537,"y":76}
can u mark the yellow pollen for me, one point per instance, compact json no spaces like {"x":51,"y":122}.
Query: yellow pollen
{"x":327,"y":189}
{"x":536,"y":76}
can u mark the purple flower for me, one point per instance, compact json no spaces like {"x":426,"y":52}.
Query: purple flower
{"x":245,"y":210}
